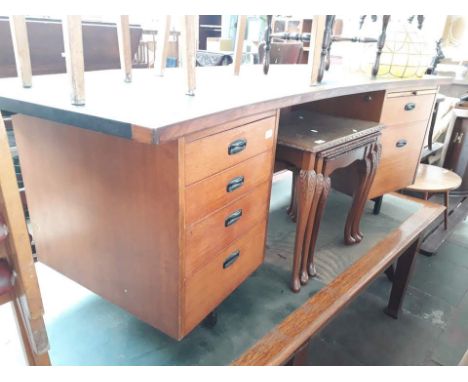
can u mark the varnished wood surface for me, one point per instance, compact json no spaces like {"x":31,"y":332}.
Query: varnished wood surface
{"x":209,"y":155}
{"x":314,"y":132}
{"x":25,"y":295}
{"x":395,"y":111}
{"x":207,"y":195}
{"x":430,"y":178}
{"x":113,"y":225}
{"x":280,"y":344}
{"x":397,"y":165}
{"x":206,"y":237}
{"x":213,"y":283}
{"x":159,"y":104}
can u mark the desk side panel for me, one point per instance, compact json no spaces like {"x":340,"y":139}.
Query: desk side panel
{"x":105,"y":213}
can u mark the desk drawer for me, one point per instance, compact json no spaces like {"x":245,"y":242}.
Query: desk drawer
{"x":402,"y":109}
{"x":208,"y":236}
{"x":401,"y":149}
{"x":210,"y":194}
{"x":208,"y":287}
{"x":217,"y":152}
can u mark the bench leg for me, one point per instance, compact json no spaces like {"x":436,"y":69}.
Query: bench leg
{"x":401,"y":278}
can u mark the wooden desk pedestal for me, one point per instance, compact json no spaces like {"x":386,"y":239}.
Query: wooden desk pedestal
{"x":164,"y":231}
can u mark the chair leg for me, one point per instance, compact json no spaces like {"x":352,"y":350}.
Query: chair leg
{"x":446,"y":202}
{"x":305,"y":192}
{"x":377,"y":205}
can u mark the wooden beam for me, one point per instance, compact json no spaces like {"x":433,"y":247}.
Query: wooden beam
{"x":125,"y":47}
{"x":162,"y":46}
{"x":18,"y":249}
{"x":19,"y":34}
{"x":73,"y":43}
{"x":316,"y":41}
{"x":189,"y":52}
{"x":240,"y":36}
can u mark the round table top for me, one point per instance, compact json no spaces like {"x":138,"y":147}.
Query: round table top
{"x":431,"y":178}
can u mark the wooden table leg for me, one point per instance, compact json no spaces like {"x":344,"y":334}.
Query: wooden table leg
{"x":401,"y":278}
{"x":292,"y":209}
{"x":315,"y":216}
{"x":367,"y":170}
{"x":305,"y":192}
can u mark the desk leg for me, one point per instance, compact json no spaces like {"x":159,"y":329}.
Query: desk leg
{"x":367,"y":170}
{"x":401,"y":278}
{"x":305,"y":187}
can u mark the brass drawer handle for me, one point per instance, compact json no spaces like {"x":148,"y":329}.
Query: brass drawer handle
{"x":410,"y":106}
{"x":237,"y":146}
{"x":233,"y":218}
{"x":401,"y":143}
{"x":235,"y":183}
{"x":231,"y":259}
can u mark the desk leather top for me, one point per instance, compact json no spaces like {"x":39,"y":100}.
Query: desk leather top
{"x":158,"y":110}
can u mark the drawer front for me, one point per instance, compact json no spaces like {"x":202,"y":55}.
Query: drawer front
{"x":207,"y":288}
{"x":217,"y":152}
{"x":208,"y":236}
{"x":401,"y":149}
{"x":212,"y":193}
{"x":398,"y":110}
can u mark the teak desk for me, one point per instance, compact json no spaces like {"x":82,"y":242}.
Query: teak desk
{"x":158,"y":201}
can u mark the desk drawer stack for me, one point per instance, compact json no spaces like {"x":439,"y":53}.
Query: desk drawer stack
{"x":405,"y":116}
{"x":165,"y":231}
{"x":227,"y":192}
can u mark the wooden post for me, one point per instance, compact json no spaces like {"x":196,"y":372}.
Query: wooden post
{"x":125,"y":48}
{"x":73,"y":43}
{"x":19,"y":34}
{"x":189,"y":52}
{"x":162,"y":46}
{"x":316,"y":42}
{"x":240,"y":35}
{"x":26,"y":294}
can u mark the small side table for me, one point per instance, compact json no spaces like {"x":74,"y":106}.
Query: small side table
{"x":314,"y":145}
{"x":433,"y":180}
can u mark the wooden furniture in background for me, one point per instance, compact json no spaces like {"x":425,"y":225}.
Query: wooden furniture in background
{"x":100,"y":46}
{"x":22,"y":290}
{"x":433,"y":180}
{"x":288,"y":342}
{"x":316,"y":145}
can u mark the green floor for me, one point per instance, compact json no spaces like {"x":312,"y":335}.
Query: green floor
{"x":433,"y":328}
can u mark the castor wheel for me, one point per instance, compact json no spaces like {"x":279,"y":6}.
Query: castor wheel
{"x":210,"y":321}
